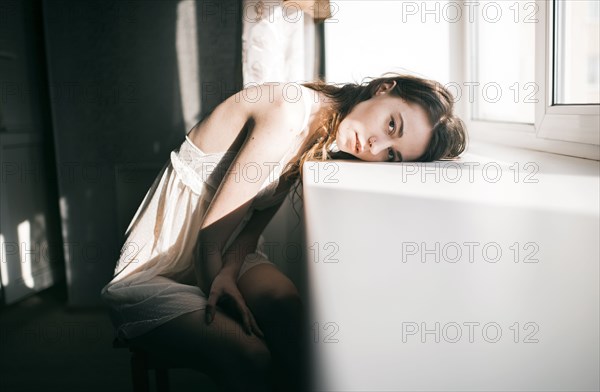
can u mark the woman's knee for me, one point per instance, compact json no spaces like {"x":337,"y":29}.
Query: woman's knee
{"x":283,"y":302}
{"x":266,"y":289}
{"x":249,"y":369}
{"x":242,"y":366}
{"x":255,"y":357}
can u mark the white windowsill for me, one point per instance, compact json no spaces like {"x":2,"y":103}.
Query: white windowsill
{"x":395,"y":263}
{"x":563,"y":182}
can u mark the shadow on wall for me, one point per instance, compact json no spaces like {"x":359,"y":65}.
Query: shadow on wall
{"x":122,"y":79}
{"x":31,"y":257}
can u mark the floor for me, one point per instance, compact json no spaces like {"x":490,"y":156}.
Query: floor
{"x":46,"y":347}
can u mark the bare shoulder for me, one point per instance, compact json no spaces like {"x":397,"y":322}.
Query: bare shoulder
{"x":274,"y":106}
{"x":269,"y":111}
{"x":275,"y":120}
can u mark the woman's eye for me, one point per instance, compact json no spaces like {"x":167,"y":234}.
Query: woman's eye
{"x":391,"y":154}
{"x":392,"y":125}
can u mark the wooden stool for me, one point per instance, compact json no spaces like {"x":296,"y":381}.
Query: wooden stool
{"x":141,"y":364}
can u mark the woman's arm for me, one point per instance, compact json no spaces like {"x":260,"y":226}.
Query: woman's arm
{"x":247,"y":241}
{"x":276,"y":121}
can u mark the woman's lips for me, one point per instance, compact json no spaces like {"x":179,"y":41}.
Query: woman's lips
{"x":356,"y":143}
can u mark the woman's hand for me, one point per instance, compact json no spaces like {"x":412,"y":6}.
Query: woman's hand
{"x":224,"y":289}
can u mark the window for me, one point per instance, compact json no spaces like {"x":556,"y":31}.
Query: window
{"x":546,"y":62}
{"x":503,"y":86}
{"x":367,"y":39}
{"x":523,"y":72}
{"x":576,"y":46}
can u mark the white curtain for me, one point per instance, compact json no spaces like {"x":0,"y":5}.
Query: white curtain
{"x":278,"y":43}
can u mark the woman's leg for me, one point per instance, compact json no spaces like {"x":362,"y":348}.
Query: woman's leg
{"x":278,"y":309}
{"x":222,"y":350}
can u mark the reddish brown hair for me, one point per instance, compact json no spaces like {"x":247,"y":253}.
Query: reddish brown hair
{"x":449,"y":136}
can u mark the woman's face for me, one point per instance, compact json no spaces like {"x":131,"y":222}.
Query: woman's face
{"x":388,"y":128}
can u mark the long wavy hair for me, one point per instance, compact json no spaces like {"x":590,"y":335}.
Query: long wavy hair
{"x":449,"y":136}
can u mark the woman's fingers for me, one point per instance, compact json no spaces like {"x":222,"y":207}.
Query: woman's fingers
{"x":213,"y":297}
{"x":243,"y":309}
{"x":255,"y":327}
{"x":248,"y":320}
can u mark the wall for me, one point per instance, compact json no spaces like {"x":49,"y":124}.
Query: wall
{"x":30,"y":238}
{"x":118,"y":111}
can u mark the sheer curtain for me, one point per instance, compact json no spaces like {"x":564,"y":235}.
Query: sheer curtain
{"x":279,"y":40}
{"x":280,"y":44}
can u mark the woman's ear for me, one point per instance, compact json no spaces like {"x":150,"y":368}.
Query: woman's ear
{"x":385,"y":87}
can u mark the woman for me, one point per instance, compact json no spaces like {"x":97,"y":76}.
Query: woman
{"x":199,"y":227}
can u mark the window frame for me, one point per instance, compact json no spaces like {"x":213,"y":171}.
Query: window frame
{"x":553,"y":130}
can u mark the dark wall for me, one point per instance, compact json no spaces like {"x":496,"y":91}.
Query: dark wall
{"x":116,"y":109}
{"x":220,"y":50}
{"x":28,"y":184}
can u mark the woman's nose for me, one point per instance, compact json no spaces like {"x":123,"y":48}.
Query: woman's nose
{"x":378,"y":144}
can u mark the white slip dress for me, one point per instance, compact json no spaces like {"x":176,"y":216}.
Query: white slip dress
{"x":154,"y":279}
